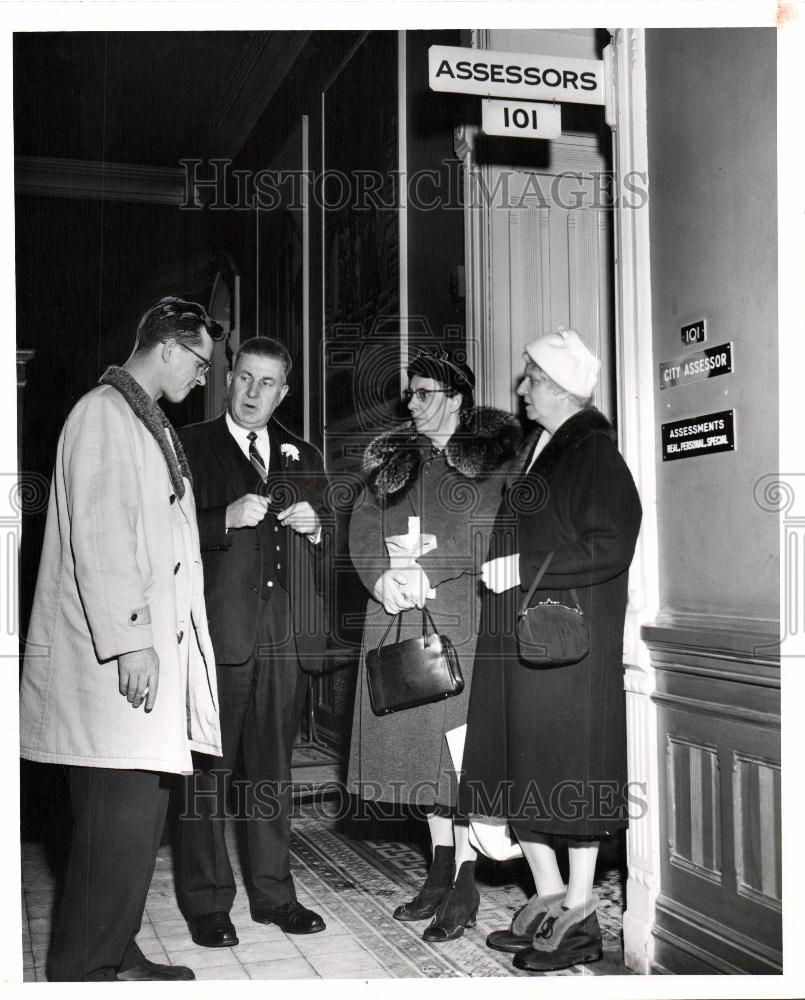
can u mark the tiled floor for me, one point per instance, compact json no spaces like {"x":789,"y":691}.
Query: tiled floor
{"x":354,"y":874}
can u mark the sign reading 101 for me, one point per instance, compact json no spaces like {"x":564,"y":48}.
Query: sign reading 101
{"x":525,"y":119}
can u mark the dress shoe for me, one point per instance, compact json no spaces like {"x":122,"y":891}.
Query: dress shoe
{"x":145,"y":971}
{"x":565,"y":937}
{"x":457,"y":909}
{"x":526,"y":921}
{"x":213,"y":930}
{"x":426,"y":902}
{"x":293,"y":918}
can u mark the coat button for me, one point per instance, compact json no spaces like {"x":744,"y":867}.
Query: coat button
{"x":176,"y":568}
{"x":278,"y":548}
{"x":276,"y":528}
{"x":270,"y":583}
{"x":179,"y":637}
{"x":172,"y":497}
{"x":133,"y":617}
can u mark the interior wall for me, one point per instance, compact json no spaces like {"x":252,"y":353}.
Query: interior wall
{"x":713,"y":211}
{"x":435,"y":213}
{"x":86,"y":270}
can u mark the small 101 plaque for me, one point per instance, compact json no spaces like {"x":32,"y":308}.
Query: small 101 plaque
{"x":694,"y":333}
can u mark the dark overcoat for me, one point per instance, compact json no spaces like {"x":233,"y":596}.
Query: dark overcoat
{"x":234,"y":560}
{"x":404,"y":757}
{"x":547,"y":745}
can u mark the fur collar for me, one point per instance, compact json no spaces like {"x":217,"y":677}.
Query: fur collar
{"x":486,"y":440}
{"x":155,"y":420}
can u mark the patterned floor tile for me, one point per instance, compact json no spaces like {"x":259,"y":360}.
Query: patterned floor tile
{"x":354,"y":874}
{"x":202,"y":959}
{"x":265,"y":951}
{"x":222,"y":972}
{"x":289,"y":968}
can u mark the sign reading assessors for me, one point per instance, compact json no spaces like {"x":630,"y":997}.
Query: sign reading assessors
{"x":712,"y":432}
{"x":523,"y":76}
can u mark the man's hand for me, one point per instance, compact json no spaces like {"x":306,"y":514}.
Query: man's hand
{"x":301,"y":518}
{"x":246,"y":512}
{"x":402,"y":589}
{"x":138,"y":676}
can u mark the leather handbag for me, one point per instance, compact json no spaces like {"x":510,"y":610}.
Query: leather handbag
{"x":412,"y":672}
{"x":551,"y":633}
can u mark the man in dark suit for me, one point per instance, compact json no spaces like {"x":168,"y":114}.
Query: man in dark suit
{"x":259,"y":492}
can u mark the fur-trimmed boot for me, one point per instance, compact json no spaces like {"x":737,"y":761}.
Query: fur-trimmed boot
{"x":458,"y":908}
{"x":426,"y":902}
{"x":525,"y":924}
{"x":564,"y":937}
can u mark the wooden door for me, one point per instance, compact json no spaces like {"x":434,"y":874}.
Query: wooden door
{"x":542,"y":256}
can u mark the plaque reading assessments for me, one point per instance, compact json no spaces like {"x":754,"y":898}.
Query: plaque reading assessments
{"x":705,"y":435}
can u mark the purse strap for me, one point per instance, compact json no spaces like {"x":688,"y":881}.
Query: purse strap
{"x":427,"y":614}
{"x":426,"y":619}
{"x":546,"y":562}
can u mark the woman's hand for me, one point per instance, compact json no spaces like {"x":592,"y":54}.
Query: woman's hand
{"x":402,"y":589}
{"x":502,"y":573}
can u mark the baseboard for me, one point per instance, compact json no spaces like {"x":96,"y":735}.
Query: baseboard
{"x":687,"y":942}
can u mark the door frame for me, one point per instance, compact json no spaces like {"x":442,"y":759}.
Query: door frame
{"x":625,"y":65}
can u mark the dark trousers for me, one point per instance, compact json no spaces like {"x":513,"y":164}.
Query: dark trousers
{"x":260,"y":703}
{"x":118,"y":819}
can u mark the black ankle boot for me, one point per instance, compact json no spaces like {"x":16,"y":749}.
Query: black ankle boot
{"x":458,"y":908}
{"x":426,"y":902}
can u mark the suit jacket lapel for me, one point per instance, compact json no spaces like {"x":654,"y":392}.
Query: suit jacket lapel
{"x":238,"y":470}
{"x":276,"y":470}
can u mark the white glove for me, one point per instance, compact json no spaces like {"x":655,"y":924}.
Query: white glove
{"x":402,"y":589}
{"x":502,"y":573}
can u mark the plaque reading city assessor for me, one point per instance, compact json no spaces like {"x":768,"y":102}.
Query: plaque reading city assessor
{"x":707,"y":363}
{"x":524,"y":76}
{"x":705,"y":435}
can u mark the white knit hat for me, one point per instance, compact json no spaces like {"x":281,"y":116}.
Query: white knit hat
{"x":567,"y":359}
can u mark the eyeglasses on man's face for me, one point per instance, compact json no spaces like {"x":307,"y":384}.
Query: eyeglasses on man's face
{"x":421,"y":394}
{"x":204,"y":365}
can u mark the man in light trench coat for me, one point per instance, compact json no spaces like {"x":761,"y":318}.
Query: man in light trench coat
{"x":119,"y":680}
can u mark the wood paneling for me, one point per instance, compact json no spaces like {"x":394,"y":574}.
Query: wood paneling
{"x":718,"y":724}
{"x":758,"y":861}
{"x":695,"y":806}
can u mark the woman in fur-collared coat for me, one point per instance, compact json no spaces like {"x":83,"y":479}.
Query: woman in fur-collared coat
{"x":446,"y":469}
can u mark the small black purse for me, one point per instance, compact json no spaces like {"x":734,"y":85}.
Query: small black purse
{"x":412,"y":672}
{"x":550,"y":633}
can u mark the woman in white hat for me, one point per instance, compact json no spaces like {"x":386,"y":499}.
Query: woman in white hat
{"x":546,"y":746}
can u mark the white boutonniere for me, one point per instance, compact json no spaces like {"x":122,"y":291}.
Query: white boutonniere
{"x":291,"y":453}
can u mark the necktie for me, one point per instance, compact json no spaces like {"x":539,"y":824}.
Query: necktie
{"x":255,"y":457}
